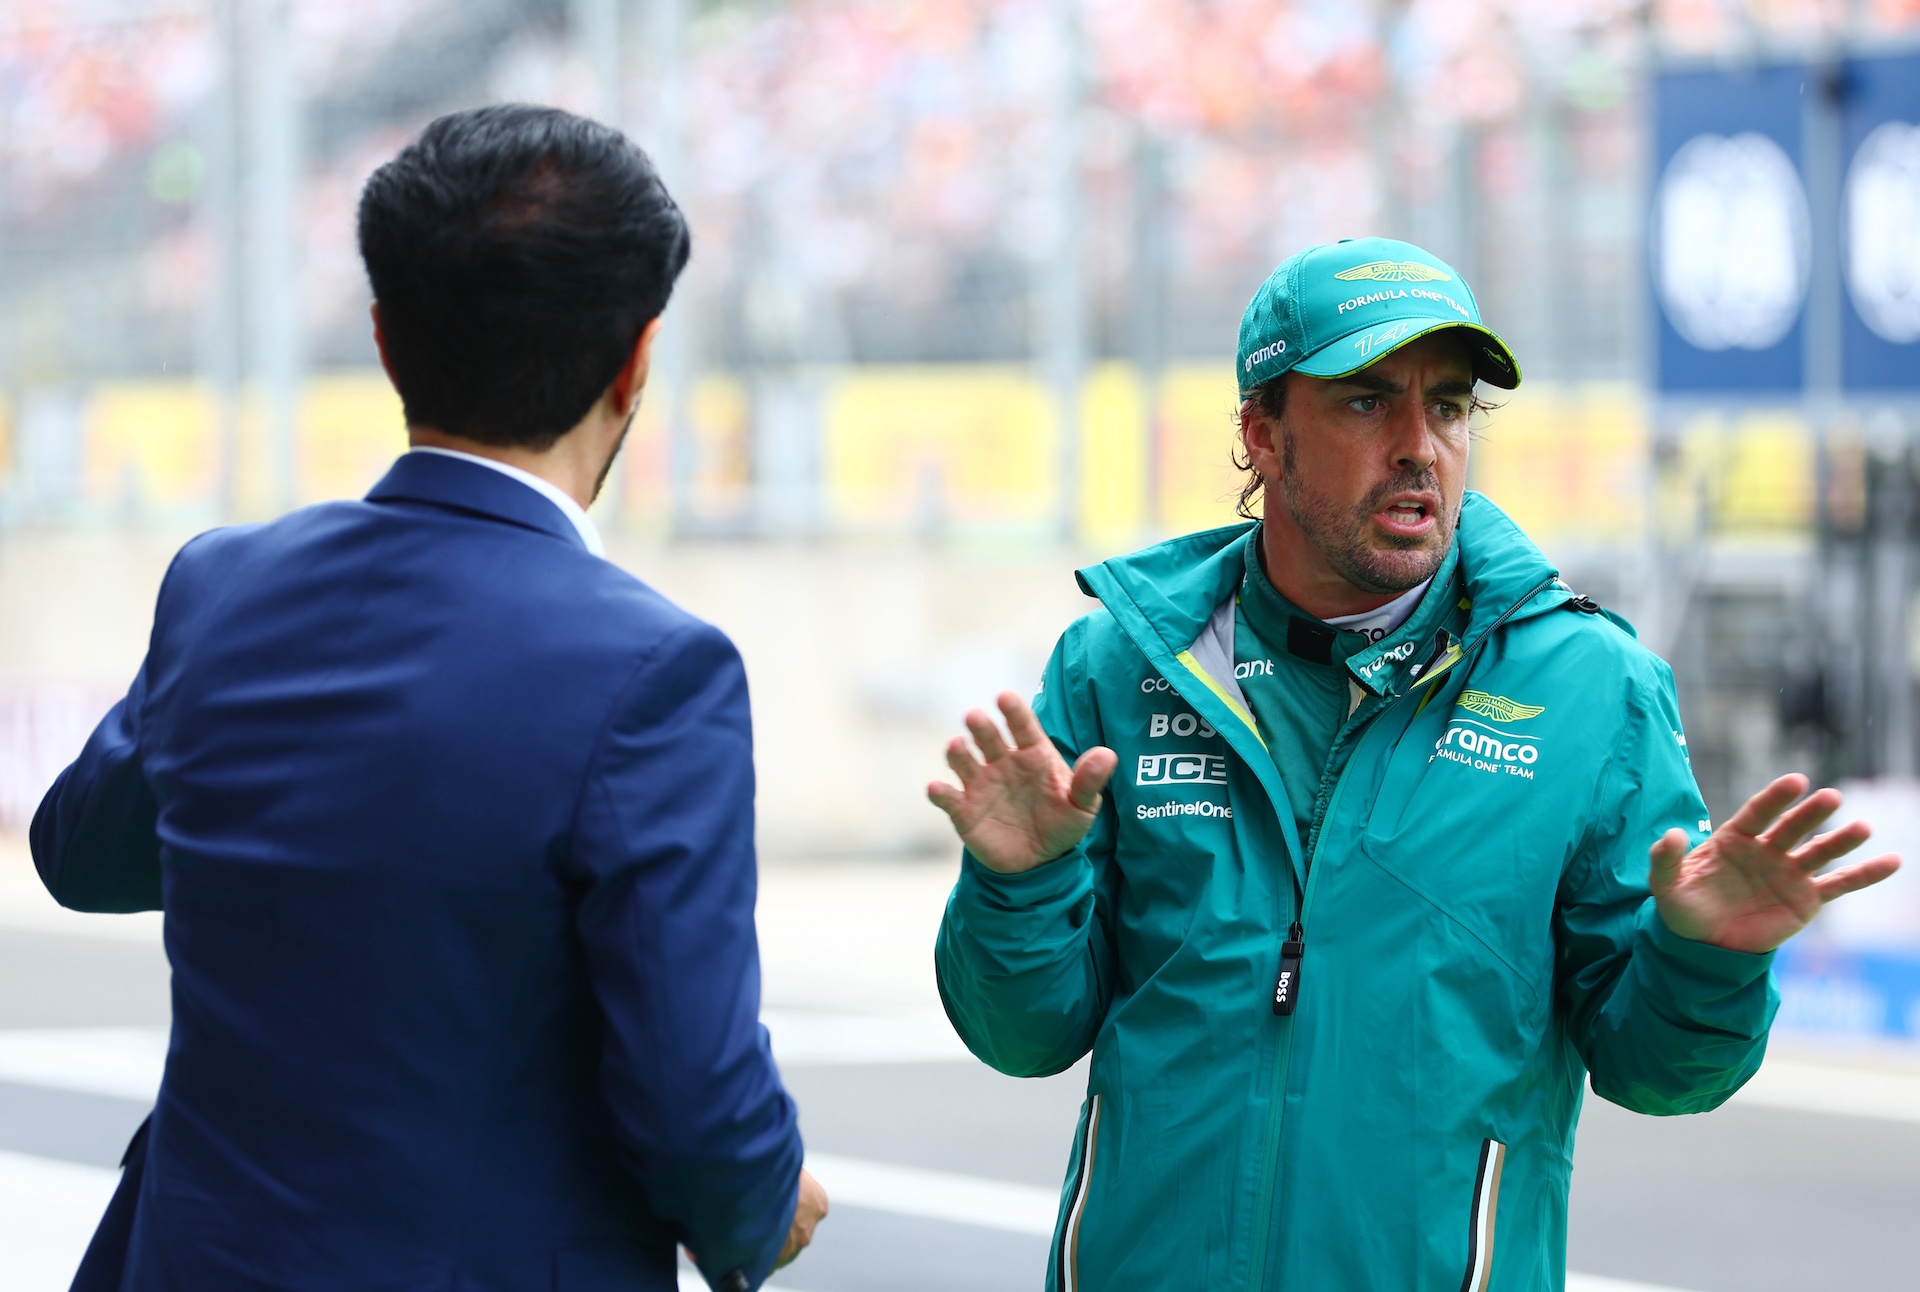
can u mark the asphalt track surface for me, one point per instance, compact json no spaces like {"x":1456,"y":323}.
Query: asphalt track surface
{"x":944,"y":1171}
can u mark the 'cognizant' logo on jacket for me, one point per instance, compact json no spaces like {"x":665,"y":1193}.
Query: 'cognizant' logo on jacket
{"x":1181,"y":769}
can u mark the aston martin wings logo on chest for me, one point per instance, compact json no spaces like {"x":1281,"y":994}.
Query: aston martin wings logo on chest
{"x":1498,"y":707}
{"x":1396,"y":271}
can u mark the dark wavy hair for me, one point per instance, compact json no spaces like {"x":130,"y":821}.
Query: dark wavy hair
{"x":1270,"y":398}
{"x":516,"y":253}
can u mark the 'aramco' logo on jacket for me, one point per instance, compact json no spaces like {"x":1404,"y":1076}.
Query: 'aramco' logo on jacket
{"x":1498,"y":707}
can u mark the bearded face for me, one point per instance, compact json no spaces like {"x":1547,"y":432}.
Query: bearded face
{"x":1361,"y":552}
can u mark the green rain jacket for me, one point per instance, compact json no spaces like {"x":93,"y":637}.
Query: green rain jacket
{"x":1476,"y":926}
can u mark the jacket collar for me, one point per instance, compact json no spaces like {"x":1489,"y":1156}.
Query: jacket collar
{"x":1165,"y":595}
{"x":450,"y":482}
{"x":1175,"y":601}
{"x":1503,"y":575}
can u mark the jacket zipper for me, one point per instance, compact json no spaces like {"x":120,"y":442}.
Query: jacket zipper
{"x":1259,"y":1257}
{"x":1070,"y":1231}
{"x":1294,"y":949}
{"x":1480,"y":1216}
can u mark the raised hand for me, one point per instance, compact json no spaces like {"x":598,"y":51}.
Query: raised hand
{"x":1753,"y":883}
{"x":1018,"y":804}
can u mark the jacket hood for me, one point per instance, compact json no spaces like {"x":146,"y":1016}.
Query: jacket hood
{"x":1173,"y":588}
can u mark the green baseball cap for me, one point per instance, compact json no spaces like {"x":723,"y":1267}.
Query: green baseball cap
{"x":1331,"y":310}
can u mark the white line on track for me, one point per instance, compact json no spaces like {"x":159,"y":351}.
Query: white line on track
{"x":120,"y":1062}
{"x":48,"y":1210}
{"x":1828,"y":1088}
{"x":125,"y":1062}
{"x":937,"y":1195}
{"x":692,"y":1282}
{"x":812,"y":1038}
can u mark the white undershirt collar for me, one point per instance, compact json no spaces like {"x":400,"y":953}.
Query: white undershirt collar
{"x":1381,"y":620}
{"x":581,"y":522}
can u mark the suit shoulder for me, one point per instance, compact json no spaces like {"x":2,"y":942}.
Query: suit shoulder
{"x":210,"y":559}
{"x":226,"y":545}
{"x":621,"y":592}
{"x":644,"y":625}
{"x":214,"y":546}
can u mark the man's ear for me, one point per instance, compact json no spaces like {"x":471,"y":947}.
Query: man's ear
{"x":632,"y":377}
{"x":1260,"y":436}
{"x":380,"y":344}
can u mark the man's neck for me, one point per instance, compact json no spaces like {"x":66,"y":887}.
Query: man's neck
{"x":568,"y":464}
{"x":1299,"y":571}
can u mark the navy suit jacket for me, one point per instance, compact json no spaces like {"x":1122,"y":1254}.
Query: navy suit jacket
{"x":452,"y":823}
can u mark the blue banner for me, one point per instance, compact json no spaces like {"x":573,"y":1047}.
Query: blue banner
{"x":1848,"y":992}
{"x":1729,"y":240}
{"x":1880,"y":224}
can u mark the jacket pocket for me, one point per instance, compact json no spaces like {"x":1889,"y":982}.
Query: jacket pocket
{"x":1480,"y":1216}
{"x":1070,"y":1229}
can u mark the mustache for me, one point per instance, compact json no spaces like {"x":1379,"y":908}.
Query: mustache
{"x":1412,"y":480}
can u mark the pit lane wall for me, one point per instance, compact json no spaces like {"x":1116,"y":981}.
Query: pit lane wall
{"x":958,"y":450}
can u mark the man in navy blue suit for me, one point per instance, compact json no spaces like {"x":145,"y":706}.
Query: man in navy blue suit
{"x":451,"y":819}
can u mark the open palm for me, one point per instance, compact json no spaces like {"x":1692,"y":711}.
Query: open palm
{"x":1018,"y":804}
{"x":1754,"y":882}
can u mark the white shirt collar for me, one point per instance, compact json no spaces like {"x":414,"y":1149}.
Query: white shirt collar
{"x":1381,"y":620}
{"x":582,"y":523}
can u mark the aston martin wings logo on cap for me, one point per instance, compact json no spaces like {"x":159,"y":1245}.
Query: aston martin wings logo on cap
{"x":1396,"y":271}
{"x":1498,"y":707}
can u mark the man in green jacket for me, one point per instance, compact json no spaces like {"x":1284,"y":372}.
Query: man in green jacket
{"x":1403,"y":844}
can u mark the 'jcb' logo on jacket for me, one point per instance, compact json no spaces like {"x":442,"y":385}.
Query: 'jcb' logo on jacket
{"x":1182,"y":769}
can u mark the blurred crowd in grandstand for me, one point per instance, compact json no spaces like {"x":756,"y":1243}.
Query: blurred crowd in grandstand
{"x":865,"y":175}
{"x":876,"y":191}
{"x":872,"y":182}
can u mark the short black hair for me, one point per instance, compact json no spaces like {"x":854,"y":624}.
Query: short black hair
{"x":516,"y":253}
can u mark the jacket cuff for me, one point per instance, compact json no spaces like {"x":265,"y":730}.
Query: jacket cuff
{"x":1701,"y":960}
{"x":1702,"y":987}
{"x":754,"y":1272}
{"x":1060,"y":881}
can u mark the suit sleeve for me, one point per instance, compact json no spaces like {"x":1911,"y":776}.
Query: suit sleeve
{"x":1664,"y":1024}
{"x":94,"y":836}
{"x":1025,"y":961}
{"x":664,"y":844}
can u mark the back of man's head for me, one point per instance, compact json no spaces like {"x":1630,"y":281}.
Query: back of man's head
{"x":515,"y":254}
